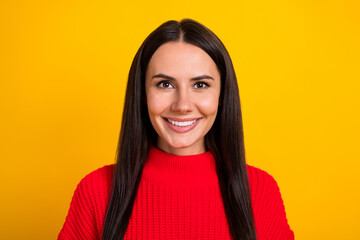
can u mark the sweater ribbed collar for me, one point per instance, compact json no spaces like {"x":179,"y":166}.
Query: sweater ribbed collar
{"x":190,"y":170}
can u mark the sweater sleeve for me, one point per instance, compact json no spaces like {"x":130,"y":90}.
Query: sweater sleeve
{"x":268,"y":207}
{"x":87,"y":208}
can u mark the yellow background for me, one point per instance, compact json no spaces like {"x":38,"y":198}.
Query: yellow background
{"x":63,"y":71}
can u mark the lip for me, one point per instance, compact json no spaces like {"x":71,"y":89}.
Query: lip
{"x":181,"y":129}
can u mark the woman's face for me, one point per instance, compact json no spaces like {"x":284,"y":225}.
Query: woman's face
{"x":182,"y":93}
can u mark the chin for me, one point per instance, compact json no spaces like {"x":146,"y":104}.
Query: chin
{"x":180,"y":145}
{"x":186,"y":144}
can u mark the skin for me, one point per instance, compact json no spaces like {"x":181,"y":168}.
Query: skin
{"x":182,"y":83}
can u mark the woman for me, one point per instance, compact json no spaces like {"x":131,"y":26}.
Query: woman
{"x":180,"y":171}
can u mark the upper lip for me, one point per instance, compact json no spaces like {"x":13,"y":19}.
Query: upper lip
{"x":182,"y":119}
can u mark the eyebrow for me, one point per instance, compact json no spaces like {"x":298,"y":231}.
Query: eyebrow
{"x":161,"y":75}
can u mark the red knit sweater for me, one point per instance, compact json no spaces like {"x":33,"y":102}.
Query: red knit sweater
{"x":178,"y":198}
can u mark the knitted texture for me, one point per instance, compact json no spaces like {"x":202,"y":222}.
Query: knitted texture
{"x":178,"y":198}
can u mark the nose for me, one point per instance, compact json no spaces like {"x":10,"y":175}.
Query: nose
{"x":182,"y":102}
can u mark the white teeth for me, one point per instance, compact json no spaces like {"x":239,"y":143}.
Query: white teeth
{"x":182,"y":124}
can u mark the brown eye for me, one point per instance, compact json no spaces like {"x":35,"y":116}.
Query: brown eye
{"x":201,"y":85}
{"x":165,"y":84}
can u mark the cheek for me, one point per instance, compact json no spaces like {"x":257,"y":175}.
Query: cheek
{"x":209,"y":105}
{"x":155,"y":104}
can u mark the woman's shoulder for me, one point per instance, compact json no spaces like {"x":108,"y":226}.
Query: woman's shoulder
{"x":95,"y":183}
{"x":258,"y":176}
{"x":94,"y":186}
{"x":263,"y":187}
{"x":100,"y":176}
{"x":88,"y":205}
{"x":101,"y":172}
{"x":268,"y":206}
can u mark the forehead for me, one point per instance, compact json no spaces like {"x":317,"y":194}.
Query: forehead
{"x":181,"y":58}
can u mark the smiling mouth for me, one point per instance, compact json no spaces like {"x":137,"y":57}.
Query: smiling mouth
{"x":182,"y":123}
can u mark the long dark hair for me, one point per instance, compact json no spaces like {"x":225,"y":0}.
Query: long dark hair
{"x":224,"y":140}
